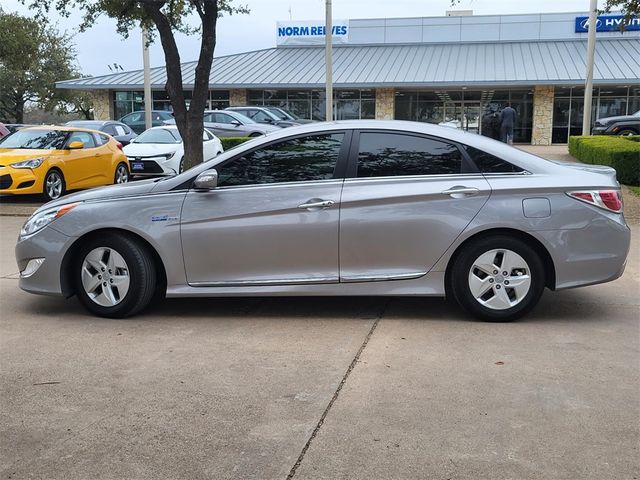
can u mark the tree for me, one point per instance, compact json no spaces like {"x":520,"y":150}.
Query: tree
{"x":164,"y":18}
{"x":33,"y":56}
{"x":629,"y":8}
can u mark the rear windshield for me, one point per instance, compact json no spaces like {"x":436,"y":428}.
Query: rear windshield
{"x":35,"y":140}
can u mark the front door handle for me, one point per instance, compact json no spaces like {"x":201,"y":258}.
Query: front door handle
{"x":319,"y":204}
{"x":462,"y":191}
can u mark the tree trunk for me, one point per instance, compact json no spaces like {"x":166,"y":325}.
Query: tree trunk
{"x":19,"y":111}
{"x":190,"y":122}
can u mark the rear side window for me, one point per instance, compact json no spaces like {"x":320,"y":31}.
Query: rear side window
{"x":393,"y":155}
{"x":100,"y":139}
{"x":488,"y":163}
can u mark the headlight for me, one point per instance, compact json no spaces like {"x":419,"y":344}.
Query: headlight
{"x":167,"y":156}
{"x":33,"y":163}
{"x":41,"y":219}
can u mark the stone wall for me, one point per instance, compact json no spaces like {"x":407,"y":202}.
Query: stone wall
{"x":102,"y":105}
{"x":542,"y":115}
{"x":385,"y":103}
{"x":237,"y":97}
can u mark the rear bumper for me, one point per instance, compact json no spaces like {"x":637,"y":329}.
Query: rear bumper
{"x":588,"y":256}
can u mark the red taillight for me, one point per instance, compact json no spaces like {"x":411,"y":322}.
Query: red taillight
{"x":608,"y":199}
{"x":119,"y":145}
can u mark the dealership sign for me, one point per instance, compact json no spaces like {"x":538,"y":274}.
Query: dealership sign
{"x":309,"y":32}
{"x":608,"y":23}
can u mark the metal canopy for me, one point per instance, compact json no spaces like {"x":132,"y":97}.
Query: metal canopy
{"x":424,"y":65}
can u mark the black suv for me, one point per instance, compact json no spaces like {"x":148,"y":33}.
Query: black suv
{"x":623,"y":125}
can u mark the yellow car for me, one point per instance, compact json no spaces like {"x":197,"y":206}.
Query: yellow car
{"x":52,"y":160}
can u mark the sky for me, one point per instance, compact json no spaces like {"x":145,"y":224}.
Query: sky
{"x":102,"y":46}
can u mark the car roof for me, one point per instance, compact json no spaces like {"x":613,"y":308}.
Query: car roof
{"x":62,"y":128}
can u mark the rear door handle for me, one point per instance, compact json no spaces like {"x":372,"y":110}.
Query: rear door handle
{"x":462,"y":191}
{"x":317,"y":204}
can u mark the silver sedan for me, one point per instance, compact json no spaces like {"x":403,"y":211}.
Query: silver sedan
{"x":342,"y":208}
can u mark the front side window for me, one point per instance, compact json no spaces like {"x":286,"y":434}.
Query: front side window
{"x":301,"y":159}
{"x":223,"y":118}
{"x":84,"y":137}
{"x":393,"y":155}
{"x":488,"y":163}
{"x":35,"y":139}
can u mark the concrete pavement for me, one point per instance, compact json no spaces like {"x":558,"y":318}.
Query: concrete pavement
{"x":315,"y":388}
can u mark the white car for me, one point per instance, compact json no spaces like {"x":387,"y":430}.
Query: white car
{"x":160,"y":151}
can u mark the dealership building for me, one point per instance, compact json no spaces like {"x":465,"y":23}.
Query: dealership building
{"x":455,"y":69}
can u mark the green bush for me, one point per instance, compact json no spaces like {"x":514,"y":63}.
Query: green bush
{"x":230,"y":142}
{"x":621,"y":153}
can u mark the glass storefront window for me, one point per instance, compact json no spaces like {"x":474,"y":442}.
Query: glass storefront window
{"x":132,"y":101}
{"x":310,"y":104}
{"x":608,"y":101}
{"x":467,"y":109}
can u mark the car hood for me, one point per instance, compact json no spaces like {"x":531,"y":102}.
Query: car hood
{"x":621,"y":118}
{"x":263,"y":127}
{"x":105,"y":193}
{"x":149,"y":149}
{"x":13,"y":155}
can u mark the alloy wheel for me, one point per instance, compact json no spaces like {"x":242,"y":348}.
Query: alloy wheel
{"x":53,"y":185}
{"x":122,"y":174}
{"x":105,"y":276}
{"x":499,"y":279}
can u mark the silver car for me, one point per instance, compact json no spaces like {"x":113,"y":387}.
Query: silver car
{"x":227,"y":123}
{"x":342,"y":208}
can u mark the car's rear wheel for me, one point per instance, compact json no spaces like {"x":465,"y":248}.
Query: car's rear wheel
{"x":626,"y":133}
{"x":54,"y":186}
{"x":122,"y":174}
{"x":497,"y":278}
{"x":115,"y":276}
{"x":256,"y":134}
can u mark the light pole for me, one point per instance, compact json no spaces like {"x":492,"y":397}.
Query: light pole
{"x":147,"y":79}
{"x":588,"y":86}
{"x":329,"y":62}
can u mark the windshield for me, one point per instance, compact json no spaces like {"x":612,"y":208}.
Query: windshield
{"x":159,"y":135}
{"x":284,"y":115}
{"x":35,"y":140}
{"x":637,"y":114}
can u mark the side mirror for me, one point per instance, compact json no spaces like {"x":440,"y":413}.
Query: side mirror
{"x":75,"y":145}
{"x":236,"y":123}
{"x":207,"y":180}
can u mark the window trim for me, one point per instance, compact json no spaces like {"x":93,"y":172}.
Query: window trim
{"x":338,"y":171}
{"x":467,"y":166}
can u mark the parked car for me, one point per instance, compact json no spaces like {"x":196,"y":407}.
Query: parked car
{"x":135,"y":120}
{"x":287,"y":115}
{"x":622,"y":125}
{"x":340,"y":208}
{"x":160,"y":151}
{"x":118,"y":130}
{"x":53,"y":160}
{"x":4,"y":131}
{"x":263,"y":115}
{"x":12,"y":127}
{"x":225,"y":123}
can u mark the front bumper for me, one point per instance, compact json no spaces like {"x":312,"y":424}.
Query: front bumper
{"x":20,"y":181}
{"x":50,"y":245}
{"x":151,"y":167}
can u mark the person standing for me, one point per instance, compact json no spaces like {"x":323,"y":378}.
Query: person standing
{"x":508,"y":118}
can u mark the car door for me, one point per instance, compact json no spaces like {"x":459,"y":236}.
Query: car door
{"x":88,"y":166}
{"x":409,"y":197}
{"x":208,"y":146}
{"x":227,"y":127}
{"x":273,"y":218}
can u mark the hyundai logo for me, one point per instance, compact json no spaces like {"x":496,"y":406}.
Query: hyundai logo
{"x":585,"y":23}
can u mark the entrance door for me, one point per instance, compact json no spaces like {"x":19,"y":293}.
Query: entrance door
{"x":463,"y":115}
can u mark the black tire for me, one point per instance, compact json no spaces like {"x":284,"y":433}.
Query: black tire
{"x":255,"y":134}
{"x":141,"y":270}
{"x":626,"y":132}
{"x":122,"y":167}
{"x":459,"y":278}
{"x":53,"y":175}
{"x":181,"y":166}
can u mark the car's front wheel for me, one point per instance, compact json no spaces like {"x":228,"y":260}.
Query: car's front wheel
{"x":122,"y":174}
{"x":115,"y":276}
{"x":54,"y":186}
{"x":497,"y":278}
